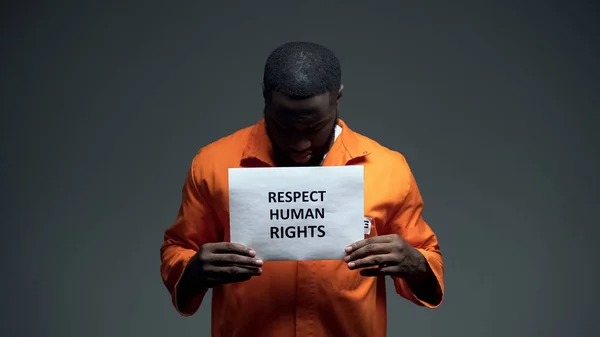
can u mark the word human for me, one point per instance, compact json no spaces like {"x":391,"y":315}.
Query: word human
{"x":298,"y":214}
{"x":303,"y":213}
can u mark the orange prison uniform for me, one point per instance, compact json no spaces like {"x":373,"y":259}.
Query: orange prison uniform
{"x":298,"y":298}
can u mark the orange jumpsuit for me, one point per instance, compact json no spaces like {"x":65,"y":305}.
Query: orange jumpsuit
{"x":298,"y":298}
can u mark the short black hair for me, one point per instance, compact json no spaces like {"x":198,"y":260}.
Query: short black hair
{"x":302,"y":69}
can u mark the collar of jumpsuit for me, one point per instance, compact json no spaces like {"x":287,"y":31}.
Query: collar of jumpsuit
{"x":298,"y":298}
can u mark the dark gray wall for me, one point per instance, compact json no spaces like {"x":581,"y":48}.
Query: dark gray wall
{"x":495,"y":105}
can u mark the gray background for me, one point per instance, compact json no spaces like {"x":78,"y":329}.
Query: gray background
{"x":495,"y":105}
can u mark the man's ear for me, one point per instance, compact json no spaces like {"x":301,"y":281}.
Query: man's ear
{"x":264,"y":93}
{"x":340,"y":94}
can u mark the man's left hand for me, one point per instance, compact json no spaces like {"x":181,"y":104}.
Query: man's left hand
{"x":386,"y":254}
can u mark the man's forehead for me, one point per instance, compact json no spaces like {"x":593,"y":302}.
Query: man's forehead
{"x":313,"y":104}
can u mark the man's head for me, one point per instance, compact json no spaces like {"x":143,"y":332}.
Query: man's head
{"x":302,"y":89}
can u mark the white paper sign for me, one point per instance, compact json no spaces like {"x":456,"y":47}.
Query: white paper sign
{"x":297,"y":213}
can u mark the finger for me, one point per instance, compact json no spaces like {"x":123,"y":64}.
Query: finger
{"x":371,"y":261}
{"x":239,"y":271}
{"x":233,"y":248}
{"x":365,"y":242}
{"x":370,"y":271}
{"x":233,"y":272}
{"x":234,"y":259}
{"x":377,"y":271}
{"x":370,"y":249}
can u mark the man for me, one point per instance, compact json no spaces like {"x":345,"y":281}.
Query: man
{"x":302,"y":91}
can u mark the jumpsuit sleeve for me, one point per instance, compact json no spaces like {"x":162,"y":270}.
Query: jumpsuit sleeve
{"x":195,"y":225}
{"x":407,"y":221}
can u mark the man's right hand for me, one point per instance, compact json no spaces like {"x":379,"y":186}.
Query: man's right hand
{"x":225,"y":262}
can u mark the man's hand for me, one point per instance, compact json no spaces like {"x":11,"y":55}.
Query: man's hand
{"x":387,"y":254}
{"x":226,"y":262}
